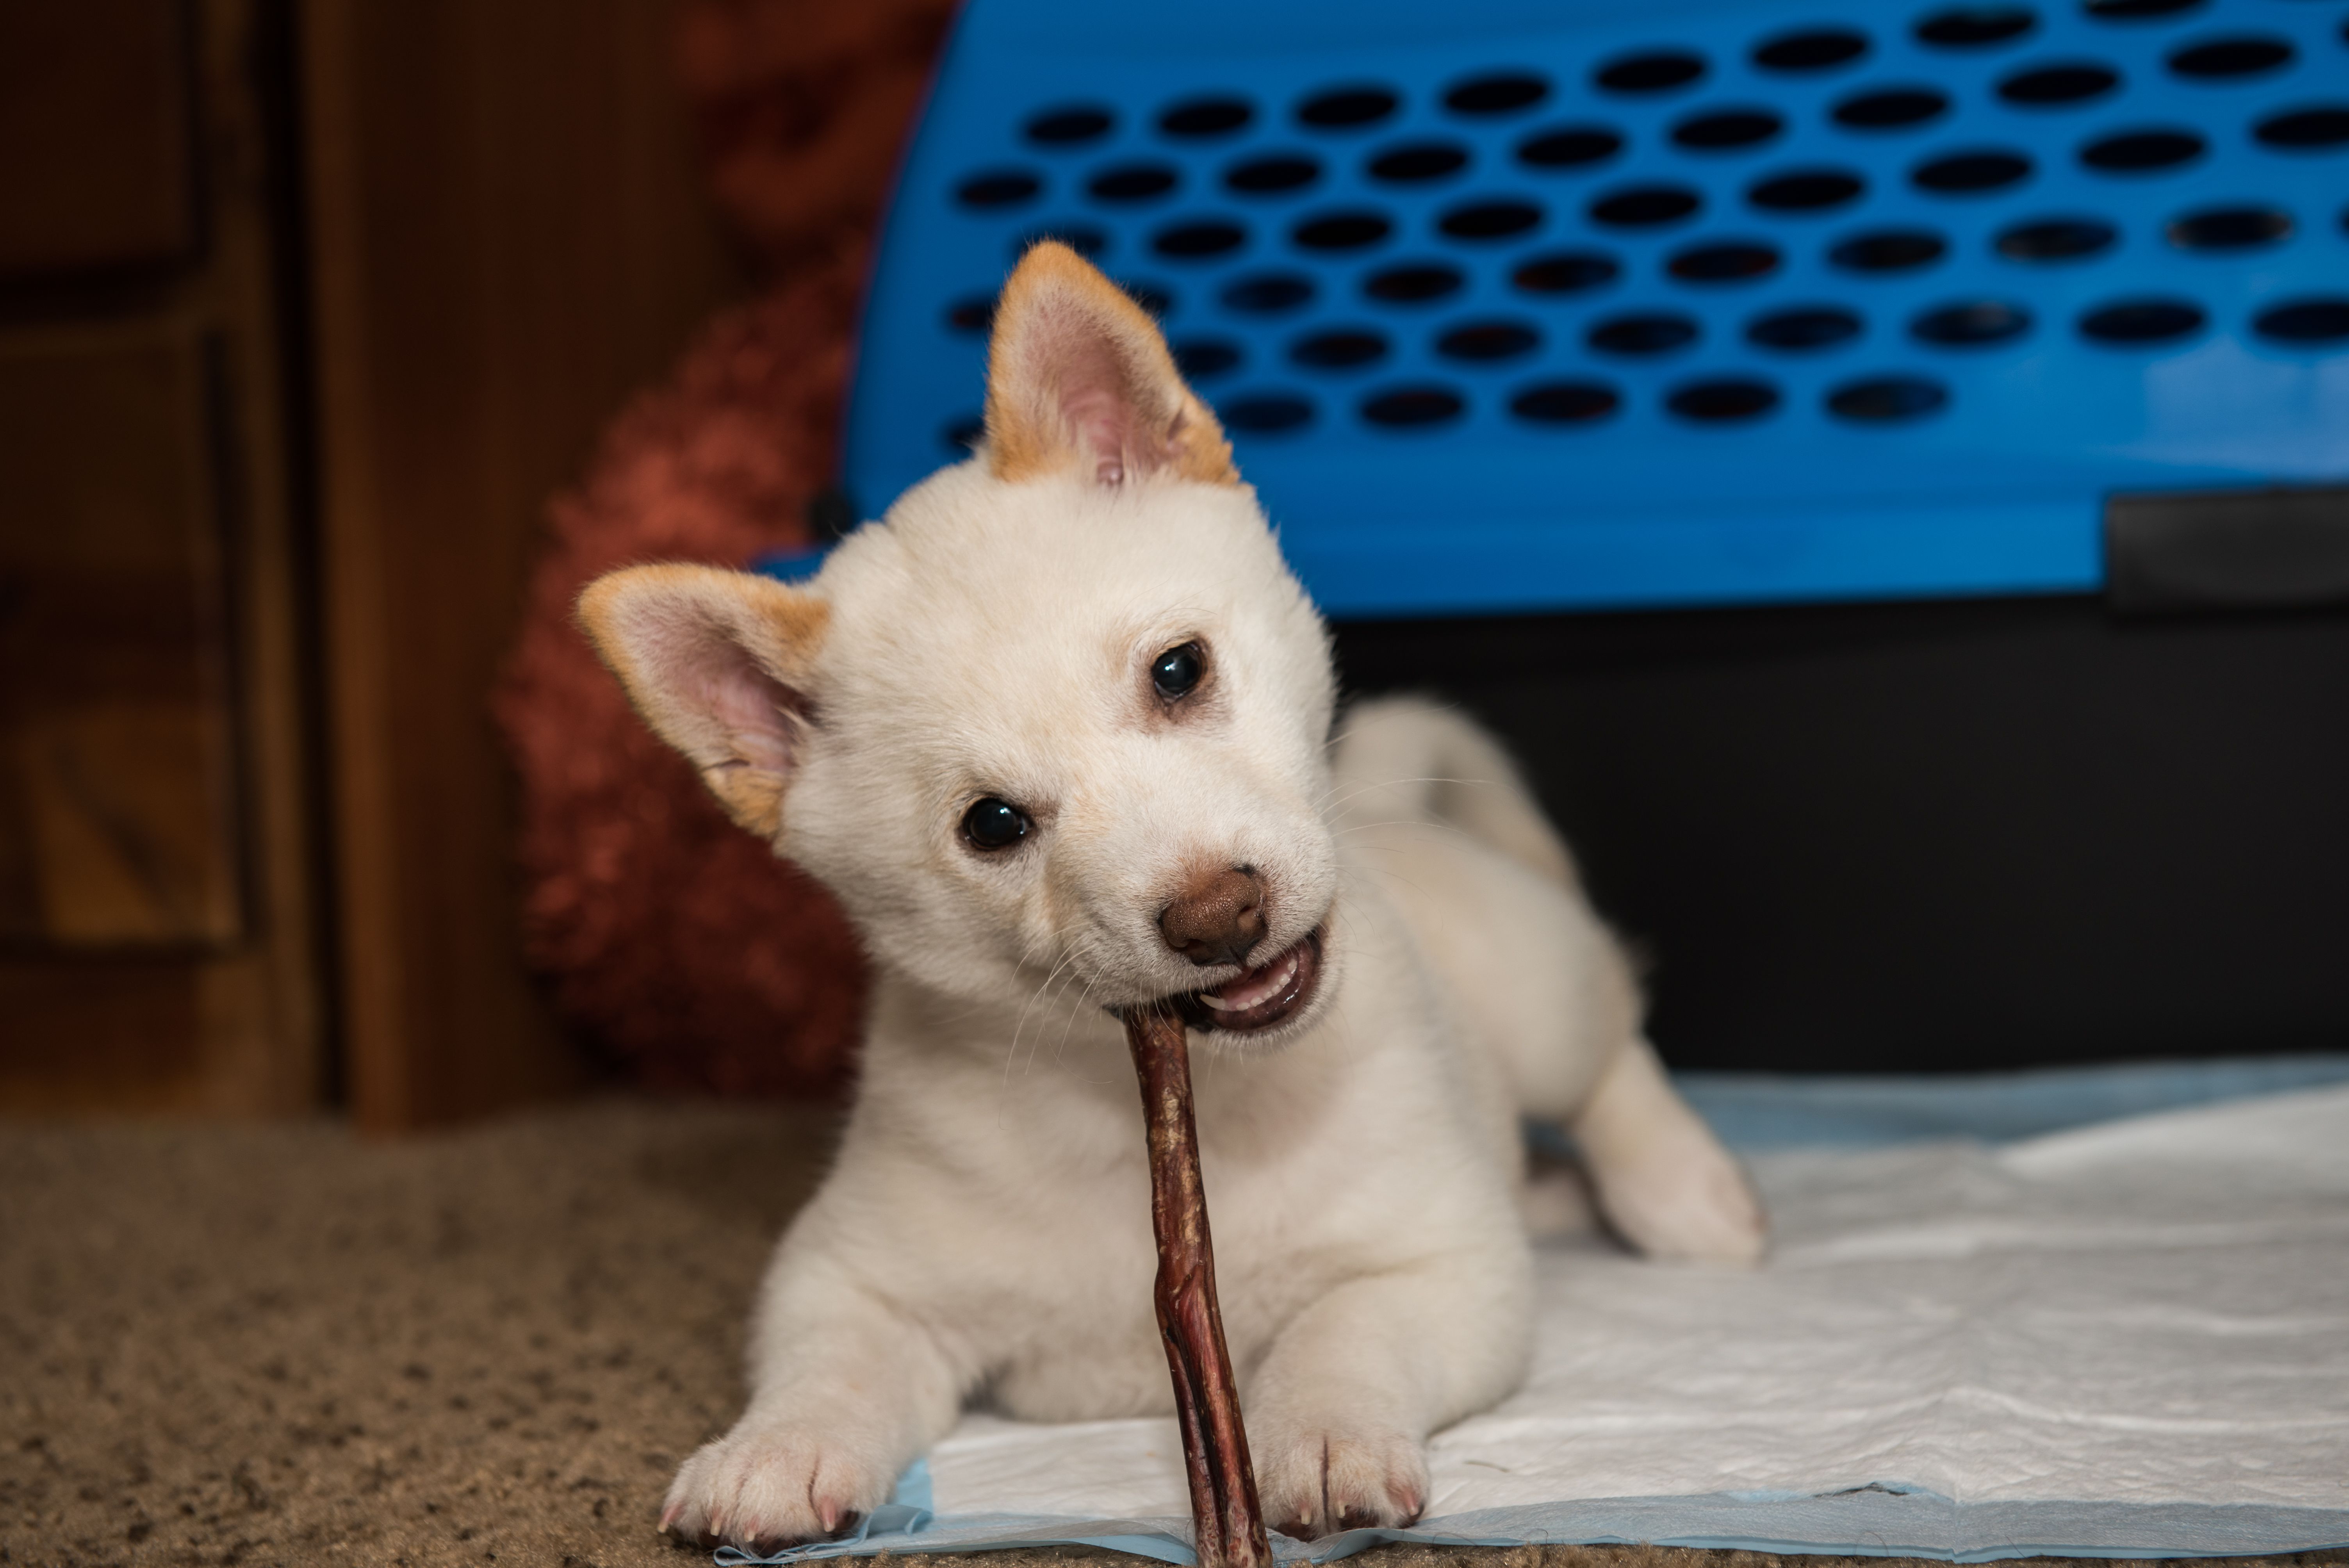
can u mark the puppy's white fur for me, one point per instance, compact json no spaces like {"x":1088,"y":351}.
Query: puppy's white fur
{"x":986,"y":1231}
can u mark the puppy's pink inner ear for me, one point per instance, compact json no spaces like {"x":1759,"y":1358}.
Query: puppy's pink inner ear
{"x":1094,"y":387}
{"x":751,"y":707}
{"x":1101,"y":427}
{"x":734,"y":714}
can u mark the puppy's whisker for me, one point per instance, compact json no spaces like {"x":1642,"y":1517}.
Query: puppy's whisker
{"x":1329,"y":804}
{"x":1392,"y":877}
{"x":1438,"y":824}
{"x":1068,"y":1014}
{"x":1012,"y":1053}
{"x":1036,"y":1045}
{"x":1060,"y":1050}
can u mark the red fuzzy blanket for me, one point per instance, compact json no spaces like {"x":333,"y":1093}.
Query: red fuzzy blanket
{"x":678,"y":944}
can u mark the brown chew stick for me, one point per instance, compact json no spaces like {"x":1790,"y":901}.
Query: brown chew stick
{"x":1227,"y":1521}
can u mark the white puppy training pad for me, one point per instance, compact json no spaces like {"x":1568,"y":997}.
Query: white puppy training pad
{"x":2126,"y":1339}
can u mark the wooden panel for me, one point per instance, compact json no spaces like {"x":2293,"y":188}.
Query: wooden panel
{"x":121,"y":1036}
{"x":508,"y":240}
{"x":96,"y":165}
{"x":157,"y":855}
{"x":117,"y":823}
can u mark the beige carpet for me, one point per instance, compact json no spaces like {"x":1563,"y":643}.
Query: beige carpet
{"x":277,"y":1345}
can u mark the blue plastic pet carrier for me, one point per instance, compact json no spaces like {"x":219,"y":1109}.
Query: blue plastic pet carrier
{"x":1524,"y":304}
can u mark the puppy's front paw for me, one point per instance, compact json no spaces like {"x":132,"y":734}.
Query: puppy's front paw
{"x":769,"y":1485}
{"x":1316,"y":1480}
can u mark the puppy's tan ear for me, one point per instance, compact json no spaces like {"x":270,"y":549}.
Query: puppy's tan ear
{"x":718,"y":663}
{"x":1078,"y":375}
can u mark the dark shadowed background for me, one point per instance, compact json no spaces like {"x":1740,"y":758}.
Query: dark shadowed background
{"x":342,"y":341}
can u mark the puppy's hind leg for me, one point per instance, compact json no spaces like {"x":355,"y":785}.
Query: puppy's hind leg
{"x":1663,"y":1180}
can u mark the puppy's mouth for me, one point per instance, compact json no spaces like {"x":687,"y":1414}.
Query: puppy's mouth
{"x":1261,"y":998}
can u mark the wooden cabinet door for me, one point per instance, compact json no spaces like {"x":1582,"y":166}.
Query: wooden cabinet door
{"x":156,"y":872}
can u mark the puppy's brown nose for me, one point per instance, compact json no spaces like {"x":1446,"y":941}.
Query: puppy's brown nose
{"x":1217,"y":917}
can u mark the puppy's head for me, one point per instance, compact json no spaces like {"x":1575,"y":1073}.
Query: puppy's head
{"x":1062,"y":711}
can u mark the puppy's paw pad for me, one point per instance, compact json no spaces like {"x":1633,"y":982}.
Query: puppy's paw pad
{"x":767,"y":1487}
{"x":1316,"y":1483}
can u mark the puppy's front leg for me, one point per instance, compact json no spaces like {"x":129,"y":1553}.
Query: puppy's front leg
{"x":846,"y":1390}
{"x":1341,"y":1408}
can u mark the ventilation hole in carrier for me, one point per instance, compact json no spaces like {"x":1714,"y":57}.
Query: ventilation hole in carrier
{"x":1410,"y":407}
{"x":998,"y":188}
{"x":1726,"y":129}
{"x":1891,"y":108}
{"x":1651,"y":71}
{"x":1484,"y":341}
{"x":1070,"y":126}
{"x":1889,"y":251}
{"x":1645,"y":206}
{"x":1267,"y":413}
{"x":2224,"y":59}
{"x":1567,"y":272}
{"x":1414,"y":284}
{"x":2139,"y":10}
{"x":1199,"y":240}
{"x":1082,"y":237}
{"x":2311,"y":130}
{"x":1723,"y":401}
{"x":1204,"y":358}
{"x":975,"y":314}
{"x":1350,"y":231}
{"x":1347,"y":109}
{"x":1642,"y":333}
{"x":1813,"y":49}
{"x":1268,"y":293}
{"x":1490,"y":220}
{"x":1132,"y":182}
{"x":1972,"y":173}
{"x":1881,"y":400}
{"x":1565,"y":402}
{"x":2129,"y":323}
{"x":1346,"y":349}
{"x":1975,"y":324}
{"x":2324,"y":319}
{"x":1205,"y":116}
{"x":962,"y":437}
{"x":1804,"y":330}
{"x":2143,"y":151}
{"x":2229,"y":228}
{"x":1569,"y":148}
{"x":1149,"y":297}
{"x":2054,"y":239}
{"x":1418,"y":161}
{"x":1273,"y":175}
{"x":1807,"y":191}
{"x":2056,"y":86}
{"x":1502,"y":92}
{"x":1975,"y":27}
{"x":1729,"y":263}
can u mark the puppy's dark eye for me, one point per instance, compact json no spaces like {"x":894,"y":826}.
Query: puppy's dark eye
{"x":993,"y":824}
{"x":1177,"y":670}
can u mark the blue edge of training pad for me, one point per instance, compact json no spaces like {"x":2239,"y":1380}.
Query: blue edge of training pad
{"x":1751,"y":1112}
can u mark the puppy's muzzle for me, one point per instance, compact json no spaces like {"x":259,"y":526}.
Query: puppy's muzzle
{"x":1218,"y":918}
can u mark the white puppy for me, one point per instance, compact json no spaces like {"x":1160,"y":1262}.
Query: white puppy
{"x":1057,"y":733}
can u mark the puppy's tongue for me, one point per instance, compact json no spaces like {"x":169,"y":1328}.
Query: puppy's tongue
{"x":1255,"y":987}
